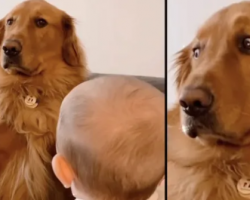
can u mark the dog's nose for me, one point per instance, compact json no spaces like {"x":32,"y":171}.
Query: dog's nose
{"x":12,"y":48}
{"x":196,"y":101}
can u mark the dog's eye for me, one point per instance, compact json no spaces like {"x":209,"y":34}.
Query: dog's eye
{"x":10,"y":21}
{"x":196,"y":52}
{"x":40,"y":23}
{"x":246,"y":43}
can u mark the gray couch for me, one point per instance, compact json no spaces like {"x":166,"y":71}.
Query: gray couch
{"x":159,"y":83}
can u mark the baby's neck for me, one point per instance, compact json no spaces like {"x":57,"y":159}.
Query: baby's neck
{"x":159,"y":193}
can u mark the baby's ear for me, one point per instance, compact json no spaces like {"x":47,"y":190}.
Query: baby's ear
{"x":63,"y":170}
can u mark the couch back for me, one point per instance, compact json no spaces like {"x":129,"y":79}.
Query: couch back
{"x":159,"y":83}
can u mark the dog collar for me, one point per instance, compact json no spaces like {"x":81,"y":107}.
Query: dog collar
{"x":30,"y":101}
{"x":243,"y":187}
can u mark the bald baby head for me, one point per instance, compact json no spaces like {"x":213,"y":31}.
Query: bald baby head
{"x":111,"y":131}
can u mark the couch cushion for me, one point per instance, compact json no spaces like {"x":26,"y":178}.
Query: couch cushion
{"x":159,"y":83}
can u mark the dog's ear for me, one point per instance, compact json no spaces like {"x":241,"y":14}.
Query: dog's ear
{"x":72,"y":51}
{"x":2,"y":29}
{"x":183,"y":64}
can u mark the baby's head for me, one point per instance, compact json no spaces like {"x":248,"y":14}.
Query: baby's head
{"x":111,"y":139}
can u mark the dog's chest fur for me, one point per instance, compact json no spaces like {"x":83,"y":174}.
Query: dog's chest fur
{"x":38,"y":126}
{"x":214,"y":180}
{"x":49,"y":94}
{"x":23,"y":119}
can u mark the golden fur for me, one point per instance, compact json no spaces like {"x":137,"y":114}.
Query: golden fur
{"x":56,"y":63}
{"x":198,"y":169}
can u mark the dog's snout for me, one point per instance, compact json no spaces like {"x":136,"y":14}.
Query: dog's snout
{"x":196,"y":101}
{"x":12,"y":48}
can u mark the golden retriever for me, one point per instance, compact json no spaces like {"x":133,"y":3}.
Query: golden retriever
{"x":209,"y":129}
{"x":41,"y":61}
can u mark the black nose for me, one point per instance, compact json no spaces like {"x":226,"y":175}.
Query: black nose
{"x":196,"y":102}
{"x":12,"y":48}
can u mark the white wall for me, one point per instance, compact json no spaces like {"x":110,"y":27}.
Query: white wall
{"x":119,"y":36}
{"x":184,"y":18}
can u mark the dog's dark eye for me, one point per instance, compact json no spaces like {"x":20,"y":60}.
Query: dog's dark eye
{"x":10,"y":21}
{"x":196,"y":52}
{"x":40,"y":23}
{"x":243,"y":43}
{"x":246,"y":43}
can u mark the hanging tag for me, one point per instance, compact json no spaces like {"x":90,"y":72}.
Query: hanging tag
{"x":243,"y":187}
{"x":30,"y":101}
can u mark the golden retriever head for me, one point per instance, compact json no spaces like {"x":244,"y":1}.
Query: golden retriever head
{"x":213,"y":79}
{"x":36,"y":32}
